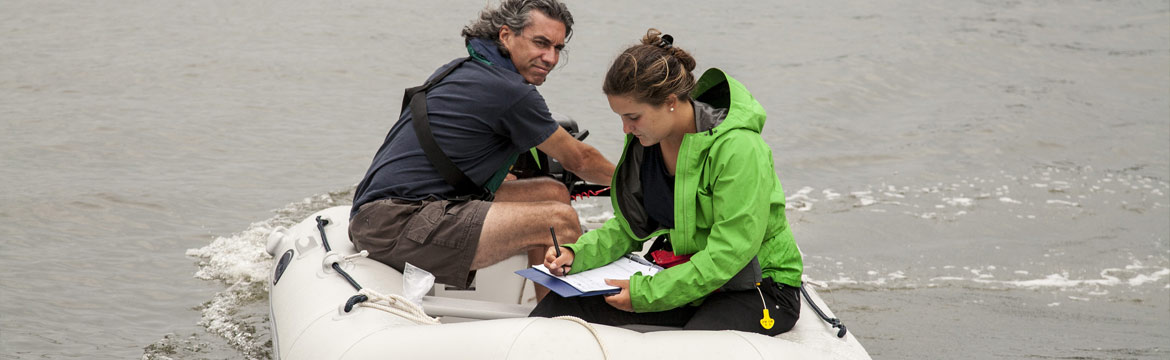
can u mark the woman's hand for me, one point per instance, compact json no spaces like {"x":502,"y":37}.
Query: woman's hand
{"x":621,"y":300}
{"x":558,"y":265}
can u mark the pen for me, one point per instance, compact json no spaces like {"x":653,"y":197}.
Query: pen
{"x":557,"y":247}
{"x":554,"y":236}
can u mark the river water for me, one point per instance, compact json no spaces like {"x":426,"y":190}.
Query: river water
{"x":967,"y":179}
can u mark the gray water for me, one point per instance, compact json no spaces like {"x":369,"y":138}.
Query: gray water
{"x":967,"y":179}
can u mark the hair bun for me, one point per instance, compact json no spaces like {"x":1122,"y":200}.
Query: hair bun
{"x":653,"y":37}
{"x":656,"y":38}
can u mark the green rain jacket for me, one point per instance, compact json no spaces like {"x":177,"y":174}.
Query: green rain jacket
{"x":729,"y":207}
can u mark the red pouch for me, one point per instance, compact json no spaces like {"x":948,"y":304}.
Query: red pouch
{"x":667,"y":259}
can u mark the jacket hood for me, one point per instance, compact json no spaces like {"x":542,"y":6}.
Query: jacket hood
{"x":723,"y":92}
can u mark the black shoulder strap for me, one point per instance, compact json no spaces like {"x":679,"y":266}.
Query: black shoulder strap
{"x":416,"y":97}
{"x":411,"y":92}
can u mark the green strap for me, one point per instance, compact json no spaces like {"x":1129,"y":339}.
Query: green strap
{"x":494,"y":182}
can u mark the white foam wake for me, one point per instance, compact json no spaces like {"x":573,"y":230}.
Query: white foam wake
{"x":1136,"y":277}
{"x":239,"y":313}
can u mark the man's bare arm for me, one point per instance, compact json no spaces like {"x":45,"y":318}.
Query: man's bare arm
{"x":578,"y":157}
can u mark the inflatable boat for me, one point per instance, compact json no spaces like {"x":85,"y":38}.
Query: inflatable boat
{"x":329,"y":302}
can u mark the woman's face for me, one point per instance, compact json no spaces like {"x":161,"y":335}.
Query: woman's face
{"x":649,"y":123}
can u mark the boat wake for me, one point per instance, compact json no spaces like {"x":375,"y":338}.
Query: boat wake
{"x":239,"y":313}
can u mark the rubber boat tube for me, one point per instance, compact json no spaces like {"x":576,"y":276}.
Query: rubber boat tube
{"x":308,"y":318}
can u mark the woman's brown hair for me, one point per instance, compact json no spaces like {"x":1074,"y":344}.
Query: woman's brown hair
{"x":651,"y":71}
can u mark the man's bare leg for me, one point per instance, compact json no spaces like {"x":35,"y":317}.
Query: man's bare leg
{"x":519,"y":219}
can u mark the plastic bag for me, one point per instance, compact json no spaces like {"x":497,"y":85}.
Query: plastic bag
{"x":416,"y":283}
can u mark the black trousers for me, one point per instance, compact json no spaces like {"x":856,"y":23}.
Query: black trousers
{"x":732,"y":310}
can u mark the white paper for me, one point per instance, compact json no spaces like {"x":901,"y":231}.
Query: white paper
{"x":594,"y":280}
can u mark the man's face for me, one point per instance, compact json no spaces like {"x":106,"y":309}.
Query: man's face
{"x":537,"y":50}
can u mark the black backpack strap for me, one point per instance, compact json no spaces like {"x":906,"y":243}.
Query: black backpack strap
{"x":410,"y":92}
{"x":416,"y":97}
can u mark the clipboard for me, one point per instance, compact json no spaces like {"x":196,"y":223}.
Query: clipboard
{"x":622,"y":268}
{"x":559,"y":286}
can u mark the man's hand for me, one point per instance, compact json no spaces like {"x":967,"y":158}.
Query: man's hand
{"x":621,"y":300}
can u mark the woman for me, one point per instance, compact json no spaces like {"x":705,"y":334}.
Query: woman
{"x":696,"y":172}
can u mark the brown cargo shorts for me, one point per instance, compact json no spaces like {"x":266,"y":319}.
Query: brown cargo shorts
{"x":439,"y":236}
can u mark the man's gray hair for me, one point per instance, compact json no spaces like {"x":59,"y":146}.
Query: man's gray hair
{"x":514,"y":13}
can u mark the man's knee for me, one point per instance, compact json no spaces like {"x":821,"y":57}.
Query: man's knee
{"x":561,"y":217}
{"x":566,"y":222}
{"x":551,"y":190}
{"x":533,"y":190}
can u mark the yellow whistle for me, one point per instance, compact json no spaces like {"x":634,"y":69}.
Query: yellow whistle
{"x":767,"y":322}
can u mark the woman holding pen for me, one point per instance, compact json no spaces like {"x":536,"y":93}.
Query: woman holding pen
{"x":696,"y":174}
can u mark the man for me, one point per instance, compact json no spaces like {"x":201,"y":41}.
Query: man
{"x":483,"y":113}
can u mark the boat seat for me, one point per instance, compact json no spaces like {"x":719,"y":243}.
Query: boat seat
{"x":486,"y":310}
{"x":497,"y":283}
{"x":473,"y":309}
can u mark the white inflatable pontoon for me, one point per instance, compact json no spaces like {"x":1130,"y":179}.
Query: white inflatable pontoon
{"x":309,"y":300}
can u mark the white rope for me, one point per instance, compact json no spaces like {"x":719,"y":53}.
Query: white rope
{"x":397,"y":305}
{"x":587,"y":325}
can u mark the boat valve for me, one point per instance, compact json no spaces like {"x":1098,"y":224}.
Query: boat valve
{"x":334,"y":258}
{"x":358,"y":255}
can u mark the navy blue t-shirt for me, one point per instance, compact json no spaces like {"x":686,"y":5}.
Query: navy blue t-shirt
{"x":481,"y":115}
{"x":657,"y":188}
